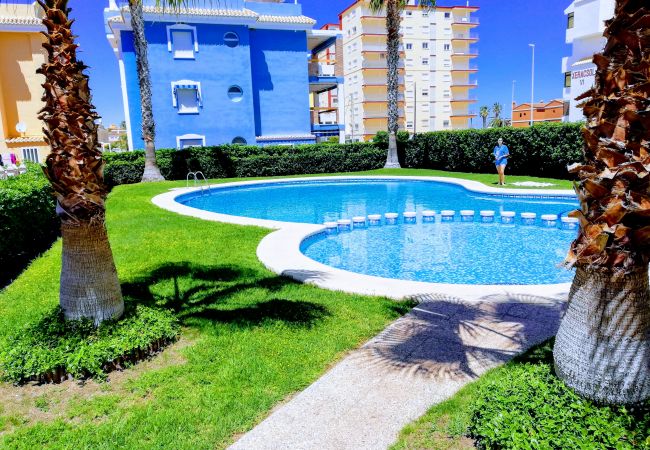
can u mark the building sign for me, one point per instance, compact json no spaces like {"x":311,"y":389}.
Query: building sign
{"x":581,"y":81}
{"x":584,"y":77}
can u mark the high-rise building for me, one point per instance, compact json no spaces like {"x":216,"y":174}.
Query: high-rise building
{"x":436,"y":74}
{"x":21,"y":54}
{"x":222,"y":72}
{"x":585,"y":23}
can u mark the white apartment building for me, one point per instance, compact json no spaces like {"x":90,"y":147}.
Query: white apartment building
{"x":585,"y":26}
{"x":435,"y":74}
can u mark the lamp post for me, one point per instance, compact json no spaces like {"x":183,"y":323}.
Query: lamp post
{"x":512,"y":105}
{"x":532,"y":86}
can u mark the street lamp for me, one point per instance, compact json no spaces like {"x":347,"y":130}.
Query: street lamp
{"x":512,"y":105}
{"x":532,"y":85}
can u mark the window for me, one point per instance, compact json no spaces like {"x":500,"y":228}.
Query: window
{"x":409,"y":46}
{"x":30,"y":154}
{"x":231,"y":39}
{"x":570,"y":21}
{"x":425,"y":45}
{"x":409,"y":13}
{"x":445,"y":123}
{"x":447,"y":15}
{"x":425,"y":13}
{"x":190,"y":140}
{"x":425,"y":61}
{"x":235,"y":93}
{"x":409,"y":124}
{"x":239,"y":141}
{"x":186,"y":96}
{"x":354,"y":29}
{"x":567,"y":79}
{"x":182,"y":41}
{"x":425,"y":92}
{"x":447,"y":47}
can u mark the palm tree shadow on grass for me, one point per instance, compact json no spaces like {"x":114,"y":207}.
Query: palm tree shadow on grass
{"x":198,"y":292}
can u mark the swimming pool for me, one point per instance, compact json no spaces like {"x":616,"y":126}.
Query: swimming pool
{"x":451,"y":252}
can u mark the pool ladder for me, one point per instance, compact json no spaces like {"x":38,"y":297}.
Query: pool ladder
{"x":202,"y":181}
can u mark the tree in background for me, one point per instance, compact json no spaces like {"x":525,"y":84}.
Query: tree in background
{"x":484,"y":112}
{"x":394,"y":10}
{"x":151,"y":169}
{"x":497,"y":121}
{"x":89,"y":283}
{"x":602,"y":349}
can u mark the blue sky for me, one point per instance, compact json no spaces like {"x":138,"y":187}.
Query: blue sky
{"x":506,"y":29}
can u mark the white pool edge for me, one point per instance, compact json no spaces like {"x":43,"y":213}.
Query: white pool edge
{"x":280,"y":251}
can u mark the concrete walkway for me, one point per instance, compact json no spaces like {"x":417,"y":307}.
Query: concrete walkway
{"x":419,"y":360}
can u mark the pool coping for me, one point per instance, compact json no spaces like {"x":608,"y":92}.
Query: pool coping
{"x":280,"y":252}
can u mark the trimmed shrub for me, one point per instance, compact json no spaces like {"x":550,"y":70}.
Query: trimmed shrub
{"x":53,"y":349}
{"x":543,"y":150}
{"x":28,"y":221}
{"x":527,"y":406}
{"x":229,"y":161}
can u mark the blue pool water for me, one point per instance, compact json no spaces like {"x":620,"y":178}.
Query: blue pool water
{"x":460,"y":253}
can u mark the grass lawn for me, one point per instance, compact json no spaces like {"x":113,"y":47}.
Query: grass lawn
{"x":250,"y":338}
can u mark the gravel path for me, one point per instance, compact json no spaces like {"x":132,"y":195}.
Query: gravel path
{"x":419,"y":360}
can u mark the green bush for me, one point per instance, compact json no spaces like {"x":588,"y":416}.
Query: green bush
{"x":28,"y":221}
{"x":543,"y":150}
{"x":228,"y":161}
{"x":53,"y":349}
{"x":529,"y":407}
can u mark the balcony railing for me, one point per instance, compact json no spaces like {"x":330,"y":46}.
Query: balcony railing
{"x":319,"y":69}
{"x":467,"y":68}
{"x":464,"y":99}
{"x":465,"y":36}
{"x":469,"y":54}
{"x":473,"y":21}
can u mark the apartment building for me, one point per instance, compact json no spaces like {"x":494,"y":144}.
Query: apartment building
{"x":552,"y":111}
{"x":236,"y":72}
{"x":585,"y":21}
{"x":21,"y":54}
{"x":436,"y":74}
{"x":326,"y":83}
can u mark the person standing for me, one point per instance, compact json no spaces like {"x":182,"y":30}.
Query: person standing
{"x":501,"y":154}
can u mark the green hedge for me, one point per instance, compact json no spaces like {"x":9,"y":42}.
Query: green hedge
{"x":543,"y":150}
{"x":28,"y":221}
{"x":229,"y":161}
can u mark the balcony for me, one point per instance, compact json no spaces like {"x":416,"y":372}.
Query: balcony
{"x":464,"y":84}
{"x":380,"y":65}
{"x":463,"y":100}
{"x":322,"y":76}
{"x":464,"y":115}
{"x":466,"y":22}
{"x":469,"y":37}
{"x":468,"y":68}
{"x":466,"y":54}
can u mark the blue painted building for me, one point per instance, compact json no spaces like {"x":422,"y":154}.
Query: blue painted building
{"x":235,"y":75}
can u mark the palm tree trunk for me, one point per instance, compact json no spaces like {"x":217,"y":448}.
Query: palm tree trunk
{"x":89,"y":283}
{"x":602,"y":349}
{"x":393,"y":19}
{"x":151,"y":169}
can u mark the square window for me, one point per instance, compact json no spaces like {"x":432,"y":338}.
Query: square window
{"x":445,"y":123}
{"x":183,"y":44}
{"x":447,"y":15}
{"x":425,"y":61}
{"x":447,"y":47}
{"x":409,"y":46}
{"x":425,"y":45}
{"x":188,"y":102}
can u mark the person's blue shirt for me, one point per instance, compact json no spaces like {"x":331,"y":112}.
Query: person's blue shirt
{"x":500,"y":153}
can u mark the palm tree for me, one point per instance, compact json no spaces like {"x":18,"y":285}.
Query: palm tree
{"x":151,"y":170}
{"x":89,"y":283}
{"x":602,"y":349}
{"x":484,"y":112}
{"x":394,"y":9}
{"x":497,"y":122}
